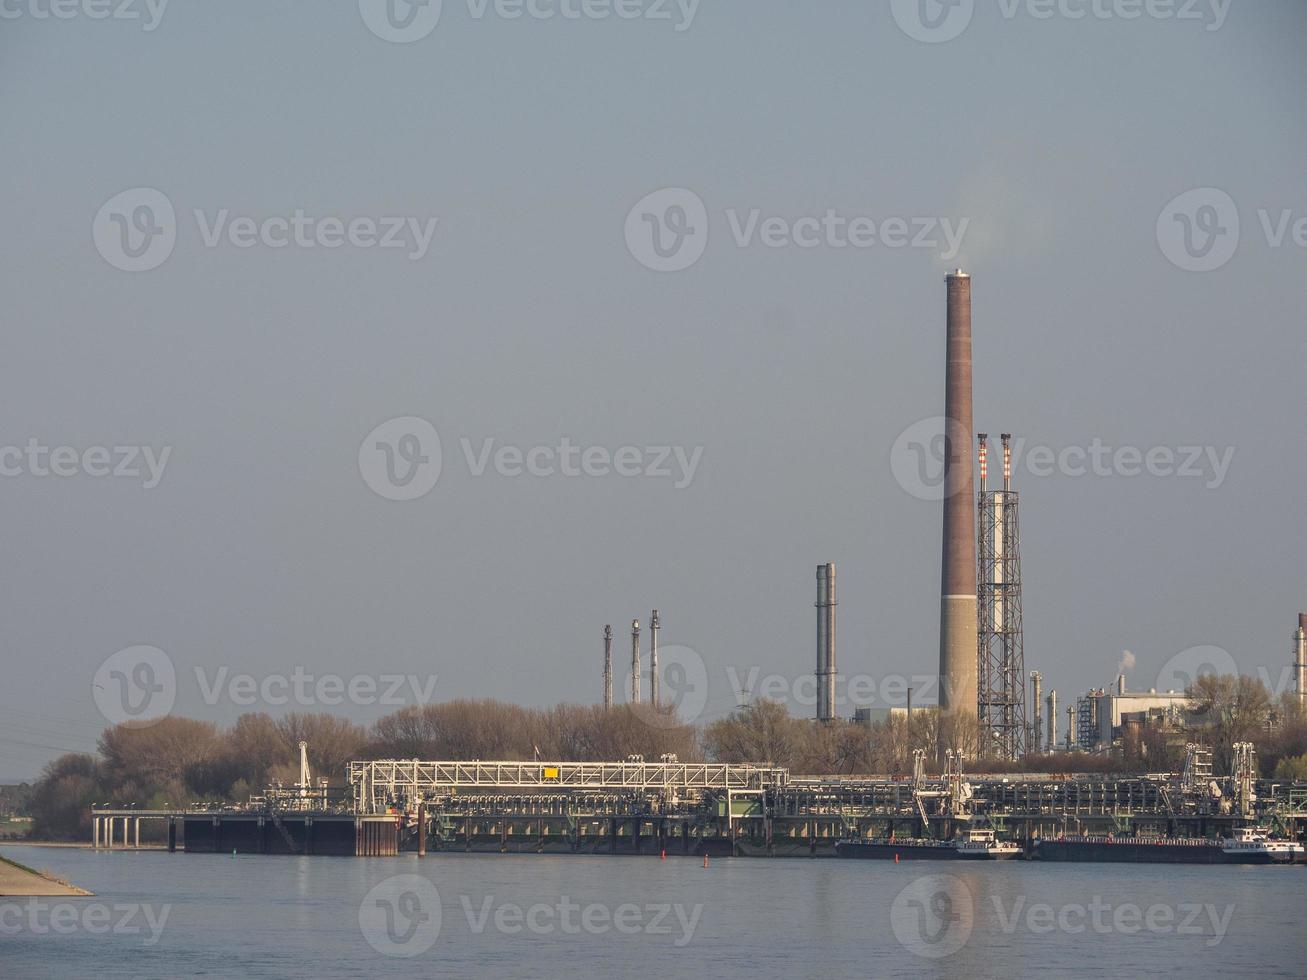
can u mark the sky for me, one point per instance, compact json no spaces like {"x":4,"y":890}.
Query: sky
{"x":667,"y":289}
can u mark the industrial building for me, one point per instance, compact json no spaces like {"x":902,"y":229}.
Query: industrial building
{"x":1102,"y":716}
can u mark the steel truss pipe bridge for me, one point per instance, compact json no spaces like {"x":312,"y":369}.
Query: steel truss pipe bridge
{"x":379,"y":785}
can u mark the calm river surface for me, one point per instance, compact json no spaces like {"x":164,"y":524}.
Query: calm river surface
{"x":191,"y":915}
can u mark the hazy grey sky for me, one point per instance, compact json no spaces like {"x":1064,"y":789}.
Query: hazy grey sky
{"x":529,"y":318}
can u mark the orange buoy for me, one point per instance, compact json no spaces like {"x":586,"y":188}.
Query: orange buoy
{"x":663,"y":856}
{"x":896,"y":859}
{"x":705,"y":860}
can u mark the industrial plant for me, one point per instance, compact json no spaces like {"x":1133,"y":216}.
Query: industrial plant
{"x":638,"y":806}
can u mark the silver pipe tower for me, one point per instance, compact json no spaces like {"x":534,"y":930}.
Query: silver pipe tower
{"x":1052,"y":721}
{"x":1035,"y":734}
{"x":653,"y":659}
{"x":826,"y":642}
{"x":1300,"y":664}
{"x":608,"y":666}
{"x":635,"y":661}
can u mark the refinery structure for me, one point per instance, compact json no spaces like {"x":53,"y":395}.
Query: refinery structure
{"x":667,"y":808}
{"x":982,"y":672}
{"x":639,"y":806}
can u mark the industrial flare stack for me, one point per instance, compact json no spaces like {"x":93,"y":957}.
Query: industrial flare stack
{"x":958,"y":634}
{"x":634,"y":692}
{"x":635,"y":661}
{"x":608,"y":666}
{"x":826,"y":642}
{"x":1300,"y":659}
{"x":655,"y":693}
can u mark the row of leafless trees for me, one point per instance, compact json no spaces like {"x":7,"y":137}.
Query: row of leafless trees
{"x":179,"y":761}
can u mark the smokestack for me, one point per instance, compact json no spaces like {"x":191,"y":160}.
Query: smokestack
{"x":1007,"y":461}
{"x":608,"y":666}
{"x":635,"y":661}
{"x":653,"y":658}
{"x":826,"y":642}
{"x":1035,"y":733}
{"x":958,"y":633}
{"x":1070,"y":725}
{"x":1052,"y":721}
{"x":1300,"y":666}
{"x":1120,"y":684}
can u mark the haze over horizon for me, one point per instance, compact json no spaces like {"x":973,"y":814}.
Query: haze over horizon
{"x":779,"y":369}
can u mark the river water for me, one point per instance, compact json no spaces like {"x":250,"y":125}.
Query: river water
{"x":587,"y":918}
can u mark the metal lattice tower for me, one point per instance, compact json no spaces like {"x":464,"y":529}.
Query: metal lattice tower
{"x":1001,"y":691}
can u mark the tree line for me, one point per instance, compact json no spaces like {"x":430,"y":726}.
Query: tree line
{"x":177,"y":762}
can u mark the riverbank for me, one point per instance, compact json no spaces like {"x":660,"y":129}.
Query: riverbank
{"x":19,"y":880}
